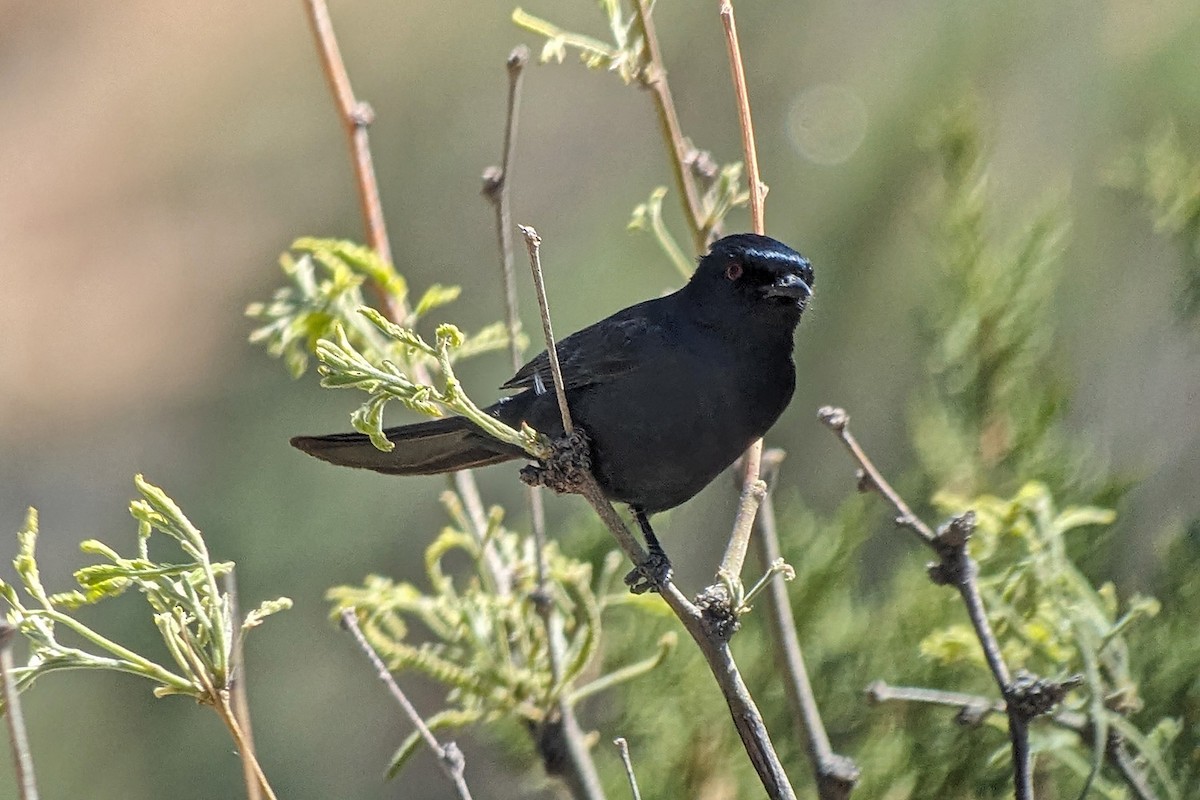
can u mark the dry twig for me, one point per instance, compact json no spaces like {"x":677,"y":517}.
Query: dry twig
{"x":836,"y":775}
{"x":1026,"y":696}
{"x":449,"y":757}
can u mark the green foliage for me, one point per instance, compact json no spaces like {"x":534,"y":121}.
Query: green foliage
{"x":343,"y":366}
{"x":323,"y":313}
{"x":191,"y":613}
{"x":488,"y":644}
{"x":1166,"y":174}
{"x":624,"y":55}
{"x":989,"y":414}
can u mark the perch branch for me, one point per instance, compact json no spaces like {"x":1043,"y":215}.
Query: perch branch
{"x":449,"y":756}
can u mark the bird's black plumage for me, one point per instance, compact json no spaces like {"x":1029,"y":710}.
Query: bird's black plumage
{"x":670,"y":391}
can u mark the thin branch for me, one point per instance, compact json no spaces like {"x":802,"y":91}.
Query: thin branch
{"x":240,"y":697}
{"x":747,"y":719}
{"x":1025,"y":696}
{"x":221,"y":702}
{"x":449,"y":756}
{"x":837,"y":420}
{"x":356,"y":116}
{"x":572,"y":758}
{"x":17,"y":738}
{"x":496,"y":182}
{"x":743,"y":524}
{"x":623,"y":747}
{"x":836,"y":775}
{"x":758,"y":190}
{"x":534,"y":243}
{"x":654,"y":77}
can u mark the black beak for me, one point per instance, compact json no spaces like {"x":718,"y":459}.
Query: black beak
{"x":790,"y":286}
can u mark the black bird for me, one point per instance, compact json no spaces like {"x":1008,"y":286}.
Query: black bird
{"x":670,"y":391}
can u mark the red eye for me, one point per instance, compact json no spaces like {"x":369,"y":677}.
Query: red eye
{"x":733,"y":271}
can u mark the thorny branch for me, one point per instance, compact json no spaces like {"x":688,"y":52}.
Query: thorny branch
{"x":450,"y":758}
{"x":1025,"y":696}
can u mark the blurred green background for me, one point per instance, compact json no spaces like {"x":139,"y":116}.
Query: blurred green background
{"x":155,"y":159}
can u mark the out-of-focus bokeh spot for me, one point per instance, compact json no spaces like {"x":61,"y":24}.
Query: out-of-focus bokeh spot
{"x":827,"y":123}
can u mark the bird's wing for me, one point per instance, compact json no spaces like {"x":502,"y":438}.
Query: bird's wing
{"x":598,"y":353}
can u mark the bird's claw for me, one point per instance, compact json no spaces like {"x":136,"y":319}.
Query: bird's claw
{"x":651,"y":575}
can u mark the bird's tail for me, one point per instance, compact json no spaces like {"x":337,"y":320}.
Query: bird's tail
{"x":426,"y":448}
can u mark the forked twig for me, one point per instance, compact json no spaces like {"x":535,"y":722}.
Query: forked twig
{"x":1025,"y":696}
{"x":449,"y":757}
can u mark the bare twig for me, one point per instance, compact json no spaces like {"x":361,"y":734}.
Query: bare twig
{"x":758,"y":190}
{"x":17,"y":739}
{"x":561,"y":741}
{"x":654,"y":77}
{"x":241,"y":700}
{"x":836,"y":775}
{"x":623,"y":747}
{"x":534,"y":243}
{"x":869,"y":478}
{"x":743,"y":524}
{"x":356,"y":116}
{"x":496,"y":181}
{"x":449,"y":756}
{"x":1025,"y":695}
{"x":224,"y":708}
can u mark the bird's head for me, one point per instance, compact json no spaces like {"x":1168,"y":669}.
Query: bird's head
{"x":754,"y":274}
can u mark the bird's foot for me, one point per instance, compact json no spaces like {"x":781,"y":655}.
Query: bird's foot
{"x":565,"y":470}
{"x":651,"y":575}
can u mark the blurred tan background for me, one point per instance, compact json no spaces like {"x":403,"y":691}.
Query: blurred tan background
{"x":155,"y":158}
